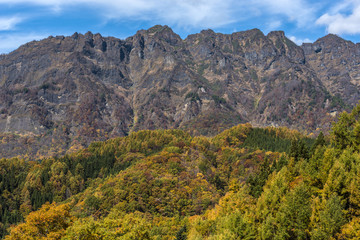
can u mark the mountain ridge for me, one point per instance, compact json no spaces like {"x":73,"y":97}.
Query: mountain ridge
{"x":66,"y":92}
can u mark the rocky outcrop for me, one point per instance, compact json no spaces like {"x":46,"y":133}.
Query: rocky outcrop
{"x":69,"y":91}
{"x":337,"y":64}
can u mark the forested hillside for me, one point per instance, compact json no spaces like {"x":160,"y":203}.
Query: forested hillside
{"x":244,"y":183}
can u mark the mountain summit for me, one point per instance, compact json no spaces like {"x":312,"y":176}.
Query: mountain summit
{"x":64,"y":92}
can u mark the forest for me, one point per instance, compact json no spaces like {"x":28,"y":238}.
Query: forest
{"x":244,"y":183}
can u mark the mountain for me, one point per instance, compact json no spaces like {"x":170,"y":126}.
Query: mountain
{"x":61,"y":93}
{"x":337,"y":64}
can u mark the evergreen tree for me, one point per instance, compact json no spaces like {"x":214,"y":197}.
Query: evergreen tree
{"x":331,"y":218}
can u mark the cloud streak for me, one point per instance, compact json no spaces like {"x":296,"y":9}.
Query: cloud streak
{"x":8,"y":23}
{"x":344,"y":18}
{"x":187,"y":13}
{"x":299,"y":11}
{"x":199,"y":13}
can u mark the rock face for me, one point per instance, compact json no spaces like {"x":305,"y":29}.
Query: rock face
{"x":337,"y":64}
{"x":64,"y":92}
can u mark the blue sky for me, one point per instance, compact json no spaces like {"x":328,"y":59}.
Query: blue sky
{"x":22,"y":21}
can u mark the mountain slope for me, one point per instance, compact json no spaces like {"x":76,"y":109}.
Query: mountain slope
{"x":64,"y":92}
{"x":161,"y":173}
{"x":165,"y":184}
{"x":337,"y":64}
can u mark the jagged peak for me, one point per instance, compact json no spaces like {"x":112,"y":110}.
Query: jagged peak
{"x":254,"y":31}
{"x":280,"y":34}
{"x":75,"y":35}
{"x":251,"y":33}
{"x":275,"y":36}
{"x":161,"y":32}
{"x":89,"y":35}
{"x":331,"y":39}
{"x":331,"y":36}
{"x":207,"y":32}
{"x":159,"y":28}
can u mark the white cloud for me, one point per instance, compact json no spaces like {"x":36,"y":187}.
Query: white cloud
{"x":299,"y":11}
{"x":9,"y":42}
{"x":188,"y":13}
{"x":184,"y":13}
{"x":8,"y":23}
{"x":344,"y":18}
{"x":199,"y":13}
{"x":300,"y":41}
{"x":273,"y":25}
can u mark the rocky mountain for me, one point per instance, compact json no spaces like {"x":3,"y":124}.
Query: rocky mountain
{"x":61,"y":93}
{"x":337,"y":64}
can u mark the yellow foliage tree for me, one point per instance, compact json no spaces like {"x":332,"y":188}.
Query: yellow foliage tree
{"x":50,"y":222}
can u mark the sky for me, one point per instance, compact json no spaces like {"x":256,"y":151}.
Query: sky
{"x":22,"y":21}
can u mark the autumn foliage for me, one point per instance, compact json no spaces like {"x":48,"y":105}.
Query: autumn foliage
{"x":245,"y":183}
